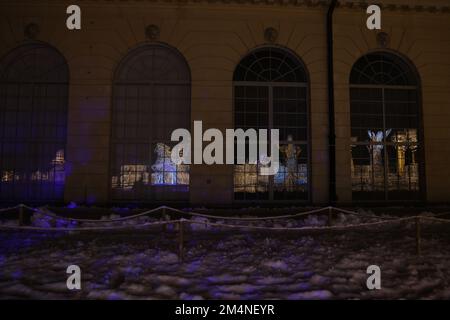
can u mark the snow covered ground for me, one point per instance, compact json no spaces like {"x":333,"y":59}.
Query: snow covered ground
{"x":230,"y":263}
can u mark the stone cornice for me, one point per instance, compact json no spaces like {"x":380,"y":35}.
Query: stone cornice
{"x":429,"y":6}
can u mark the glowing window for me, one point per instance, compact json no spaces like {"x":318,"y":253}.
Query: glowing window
{"x":151,"y":99}
{"x":385,"y":129}
{"x":271,"y":92}
{"x":33,"y":123}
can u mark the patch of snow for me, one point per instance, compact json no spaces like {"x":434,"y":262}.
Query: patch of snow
{"x":312,"y":295}
{"x":276,"y":264}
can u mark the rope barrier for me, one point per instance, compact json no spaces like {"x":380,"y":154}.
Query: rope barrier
{"x":46,"y":212}
{"x":296,"y":215}
{"x":362,"y":214}
{"x":26,"y":207}
{"x":348,"y":227}
{"x":49,"y":213}
{"x":10,"y":208}
{"x":320,"y":228}
{"x":125,"y":227}
{"x":181,"y":222}
{"x":435,"y":219}
{"x":196,"y":214}
{"x":441,"y":214}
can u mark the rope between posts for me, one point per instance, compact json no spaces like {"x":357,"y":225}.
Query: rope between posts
{"x":354,"y":226}
{"x":10,"y":208}
{"x":46,"y":212}
{"x":182,"y":221}
{"x":49,"y":213}
{"x":202,"y":215}
{"x":442,"y":214}
{"x":348,"y":227}
{"x":435,"y":219}
{"x":362,"y":214}
{"x":137,"y":226}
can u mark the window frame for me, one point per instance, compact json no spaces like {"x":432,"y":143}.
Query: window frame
{"x":148,"y":141}
{"x":62,"y":91}
{"x":420,"y":143}
{"x":270,"y":85}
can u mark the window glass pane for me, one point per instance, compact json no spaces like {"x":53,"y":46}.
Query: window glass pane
{"x":270,"y":64}
{"x":263,"y":105}
{"x":33,"y":122}
{"x":382,"y":68}
{"x":151,"y":99}
{"x":368,"y":172}
{"x":291,"y":182}
{"x":384,"y":129}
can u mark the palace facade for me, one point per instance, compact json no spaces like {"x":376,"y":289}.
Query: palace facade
{"x":86,"y":115}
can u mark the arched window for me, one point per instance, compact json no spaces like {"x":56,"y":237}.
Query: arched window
{"x":33,"y":122}
{"x":151,"y":98}
{"x":385,"y":128}
{"x":271,"y":92}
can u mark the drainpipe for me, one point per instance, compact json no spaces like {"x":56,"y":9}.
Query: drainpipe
{"x":331,"y":124}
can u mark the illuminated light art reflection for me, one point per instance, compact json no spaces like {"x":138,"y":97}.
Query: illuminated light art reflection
{"x":163,"y":172}
{"x":399,"y":161}
{"x":54,"y":173}
{"x":291,"y":174}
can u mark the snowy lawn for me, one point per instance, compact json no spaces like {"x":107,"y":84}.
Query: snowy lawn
{"x":229,"y":264}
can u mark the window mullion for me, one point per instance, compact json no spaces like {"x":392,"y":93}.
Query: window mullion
{"x":271,"y":182}
{"x":386,"y":160}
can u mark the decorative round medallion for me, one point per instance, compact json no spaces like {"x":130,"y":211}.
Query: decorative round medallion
{"x":270,"y":34}
{"x":31,"y":31}
{"x":152,"y":32}
{"x":383,"y":39}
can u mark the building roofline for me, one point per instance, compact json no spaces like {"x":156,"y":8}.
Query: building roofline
{"x":431,"y":6}
{"x":426,"y":6}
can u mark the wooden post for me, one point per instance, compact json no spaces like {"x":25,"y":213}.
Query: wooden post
{"x":330,"y":216}
{"x":164,"y":226}
{"x":418,"y":238}
{"x":181,"y":240}
{"x":21,"y":215}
